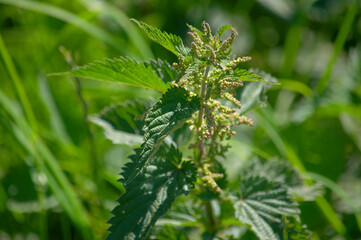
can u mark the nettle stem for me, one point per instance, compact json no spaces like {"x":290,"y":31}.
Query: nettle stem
{"x":201,"y":147}
{"x":212,"y":221}
{"x":212,"y":228}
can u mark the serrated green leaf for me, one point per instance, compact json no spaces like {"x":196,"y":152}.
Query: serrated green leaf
{"x":125,"y":116}
{"x":117,"y":136}
{"x":282,"y":172}
{"x":120,"y":70}
{"x":183,"y":213}
{"x":279,"y":171}
{"x":262,"y":204}
{"x":150,"y":194}
{"x":249,"y":76}
{"x":120,"y":124}
{"x":254,"y":93}
{"x":253,"y":96}
{"x":222,"y":29}
{"x":168,"y":114}
{"x":163,"y":70}
{"x":153,"y":184}
{"x":169,"y":41}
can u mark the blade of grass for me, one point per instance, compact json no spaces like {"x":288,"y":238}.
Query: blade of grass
{"x":71,"y":18}
{"x":339,"y":191}
{"x":47,"y":164}
{"x":19,"y":88}
{"x":57,"y":125}
{"x":288,"y":152}
{"x":295,"y":86}
{"x":31,"y":134}
{"x":292,"y":45}
{"x":337,"y":48}
{"x":294,"y":38}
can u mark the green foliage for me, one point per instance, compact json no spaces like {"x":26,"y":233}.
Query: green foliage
{"x":279,"y":178}
{"x":150,"y":194}
{"x":149,"y":178}
{"x":263,"y":203}
{"x":119,"y":124}
{"x":42,"y":160}
{"x":253,"y":96}
{"x":248,"y":76}
{"x":168,"y":114}
{"x":222,"y":29}
{"x":294,"y":230}
{"x":254,"y":93}
{"x":163,"y":70}
{"x":274,"y":169}
{"x":169,"y":233}
{"x":311,"y":120}
{"x":121,"y":70}
{"x":281,"y":172}
{"x":152,"y":182}
{"x":169,"y":41}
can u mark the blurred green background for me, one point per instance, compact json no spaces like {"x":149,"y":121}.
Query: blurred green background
{"x":57,"y":170}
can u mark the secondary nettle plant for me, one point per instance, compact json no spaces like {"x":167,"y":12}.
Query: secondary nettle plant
{"x":182,"y":152}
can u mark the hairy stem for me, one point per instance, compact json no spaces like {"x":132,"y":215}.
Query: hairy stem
{"x":201,"y":147}
{"x":211,"y":218}
{"x":213,"y":141}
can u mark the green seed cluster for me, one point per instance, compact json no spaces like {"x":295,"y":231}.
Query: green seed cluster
{"x":209,"y":178}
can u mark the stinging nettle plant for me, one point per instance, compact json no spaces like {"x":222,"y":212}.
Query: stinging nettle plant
{"x":185,"y":133}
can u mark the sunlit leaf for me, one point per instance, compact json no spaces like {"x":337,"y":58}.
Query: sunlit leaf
{"x":117,"y":136}
{"x":150,"y":194}
{"x":253,"y":76}
{"x":120,"y":70}
{"x":168,"y":114}
{"x":253,"y":96}
{"x":222,"y":29}
{"x":169,"y":41}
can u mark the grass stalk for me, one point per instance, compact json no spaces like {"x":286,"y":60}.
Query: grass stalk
{"x":45,"y":162}
{"x":292,"y":45}
{"x":338,"y":46}
{"x":18,"y":85}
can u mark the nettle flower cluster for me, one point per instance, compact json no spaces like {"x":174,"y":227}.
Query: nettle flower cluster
{"x":209,"y":72}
